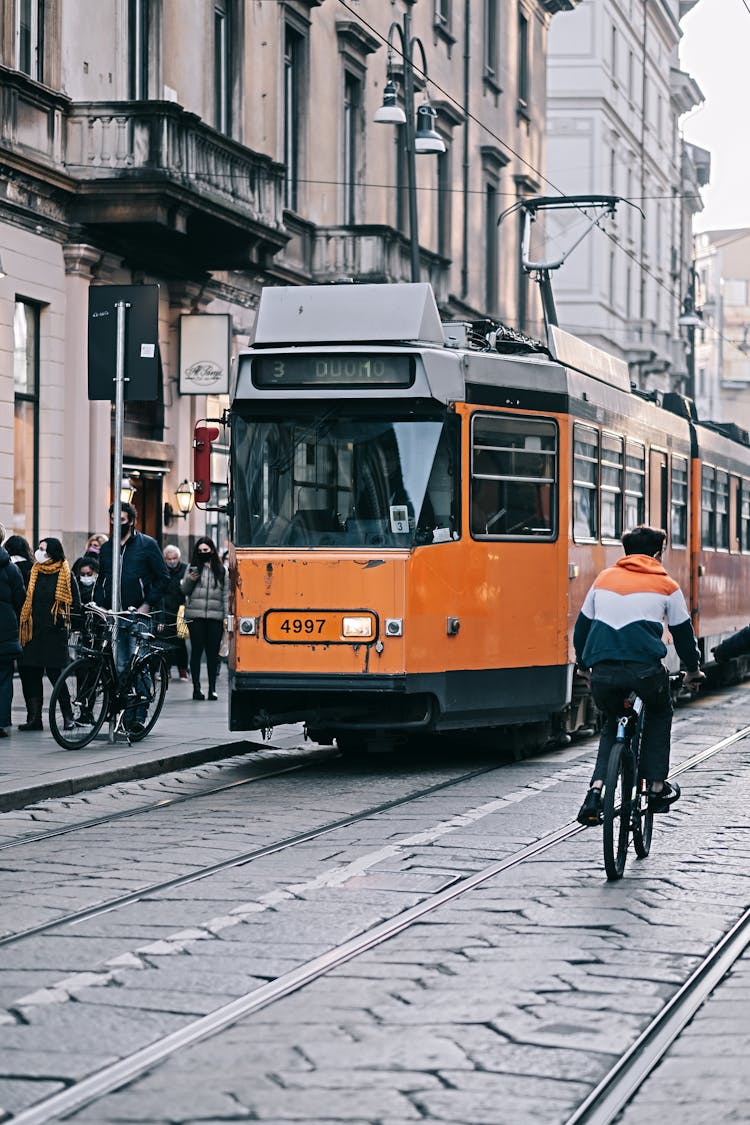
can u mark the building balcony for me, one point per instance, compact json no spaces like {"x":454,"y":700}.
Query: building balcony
{"x":148,"y":178}
{"x":375,"y":254}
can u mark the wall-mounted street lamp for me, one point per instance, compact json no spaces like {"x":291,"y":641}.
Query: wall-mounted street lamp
{"x":127,"y":491}
{"x":690,"y":319}
{"x":425,"y":139}
{"x":185,"y":498}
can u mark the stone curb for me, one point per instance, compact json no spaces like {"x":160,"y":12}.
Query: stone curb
{"x":134,"y":771}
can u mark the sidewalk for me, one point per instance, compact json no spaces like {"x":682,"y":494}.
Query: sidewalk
{"x":33,"y":767}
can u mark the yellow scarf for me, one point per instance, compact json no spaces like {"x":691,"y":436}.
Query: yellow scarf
{"x":63,"y":597}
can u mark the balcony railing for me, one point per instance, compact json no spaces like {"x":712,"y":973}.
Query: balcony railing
{"x":375,"y":254}
{"x":161,"y":141}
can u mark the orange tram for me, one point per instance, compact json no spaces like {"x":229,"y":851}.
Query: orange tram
{"x":418,"y":510}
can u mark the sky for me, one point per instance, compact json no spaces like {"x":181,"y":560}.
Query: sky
{"x":715,"y":51}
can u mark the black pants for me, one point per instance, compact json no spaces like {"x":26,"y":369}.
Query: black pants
{"x":205,"y":634}
{"x":32,"y":680}
{"x":611,"y":683}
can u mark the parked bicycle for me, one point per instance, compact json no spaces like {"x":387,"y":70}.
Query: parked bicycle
{"x":625,"y":804}
{"x":90,"y":691}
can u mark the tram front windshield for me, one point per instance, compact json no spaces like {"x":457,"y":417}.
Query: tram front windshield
{"x":338,"y":479}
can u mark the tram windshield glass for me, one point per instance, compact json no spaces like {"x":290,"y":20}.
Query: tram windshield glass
{"x":337,"y":479}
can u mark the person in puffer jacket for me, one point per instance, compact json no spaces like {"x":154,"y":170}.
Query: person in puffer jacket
{"x":206,"y":589}
{"x":618,"y":637}
{"x":736,"y":645}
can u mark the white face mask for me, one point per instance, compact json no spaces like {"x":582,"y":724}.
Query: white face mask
{"x":87,"y":579}
{"x":41,"y":556}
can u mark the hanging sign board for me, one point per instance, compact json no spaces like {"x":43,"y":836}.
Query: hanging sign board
{"x":205,"y":353}
{"x":142,"y":362}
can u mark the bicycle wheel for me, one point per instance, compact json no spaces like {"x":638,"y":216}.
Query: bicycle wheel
{"x":642,"y":817}
{"x":79,"y":703}
{"x":618,"y":798}
{"x":146,"y":697}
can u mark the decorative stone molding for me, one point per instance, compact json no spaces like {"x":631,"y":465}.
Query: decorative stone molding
{"x":81,"y":259}
{"x":356,"y":39}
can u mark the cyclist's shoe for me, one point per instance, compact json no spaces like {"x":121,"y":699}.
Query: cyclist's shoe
{"x":135,"y":726}
{"x":590,"y":812}
{"x":665,"y":798}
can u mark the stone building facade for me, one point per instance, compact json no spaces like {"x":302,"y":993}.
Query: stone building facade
{"x":616,"y":94}
{"x":216,"y":146}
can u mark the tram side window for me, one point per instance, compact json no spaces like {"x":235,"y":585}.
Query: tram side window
{"x":611,"y":501}
{"x":679,"y":503}
{"x":722,"y":511}
{"x":585,"y":483}
{"x":514,"y":477}
{"x":708,"y":506}
{"x":743,"y":520}
{"x":635,"y":484}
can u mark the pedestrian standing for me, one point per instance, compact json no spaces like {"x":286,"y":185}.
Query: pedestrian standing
{"x":11,"y":601}
{"x":21,"y":554}
{"x":86,"y":571}
{"x":51,"y":598}
{"x":207,"y":591}
{"x":173,"y":599}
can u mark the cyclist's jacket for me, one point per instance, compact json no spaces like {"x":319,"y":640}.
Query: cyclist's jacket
{"x":623,"y":615}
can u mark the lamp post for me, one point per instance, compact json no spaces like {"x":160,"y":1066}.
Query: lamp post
{"x":690,"y":319}
{"x":426,"y":138}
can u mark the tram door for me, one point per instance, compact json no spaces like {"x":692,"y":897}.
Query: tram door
{"x":658,"y":495}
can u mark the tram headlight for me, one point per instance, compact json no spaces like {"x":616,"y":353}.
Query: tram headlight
{"x":360,"y":627}
{"x":394,"y":627}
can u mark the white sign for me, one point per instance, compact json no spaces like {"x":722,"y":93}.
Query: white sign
{"x":205,"y":353}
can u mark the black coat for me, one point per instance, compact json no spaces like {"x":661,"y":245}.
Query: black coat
{"x":48,"y":647}
{"x":736,"y":645}
{"x":174,"y":596}
{"x":12,"y":595}
{"x":143,"y":574}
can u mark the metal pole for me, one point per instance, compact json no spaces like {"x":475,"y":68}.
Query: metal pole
{"x":691,"y":363}
{"x":411,"y":167}
{"x":121,"y":306}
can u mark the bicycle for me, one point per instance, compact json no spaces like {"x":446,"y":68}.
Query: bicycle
{"x":625,"y":803}
{"x":89,"y":690}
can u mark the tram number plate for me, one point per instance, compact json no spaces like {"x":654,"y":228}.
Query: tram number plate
{"x":316,"y":627}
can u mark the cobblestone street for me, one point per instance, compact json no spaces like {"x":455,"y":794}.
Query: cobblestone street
{"x":504,"y":1003}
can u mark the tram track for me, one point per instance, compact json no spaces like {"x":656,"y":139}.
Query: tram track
{"x":162,"y":803}
{"x":607,"y":1098}
{"x":109,"y":905}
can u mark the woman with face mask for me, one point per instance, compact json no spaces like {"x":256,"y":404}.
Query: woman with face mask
{"x":51,"y":598}
{"x":86,"y":571}
{"x":207,"y":590}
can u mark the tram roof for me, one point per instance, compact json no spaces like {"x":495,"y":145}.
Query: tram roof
{"x":339,"y":314}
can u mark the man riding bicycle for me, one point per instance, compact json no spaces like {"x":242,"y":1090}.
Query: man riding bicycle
{"x":618,"y":641}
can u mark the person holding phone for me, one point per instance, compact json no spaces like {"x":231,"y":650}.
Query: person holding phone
{"x":206,"y":592}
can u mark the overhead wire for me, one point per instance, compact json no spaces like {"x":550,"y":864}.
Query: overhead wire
{"x":469,"y":115}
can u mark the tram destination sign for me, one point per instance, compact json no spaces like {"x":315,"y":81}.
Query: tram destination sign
{"x":339,"y":369}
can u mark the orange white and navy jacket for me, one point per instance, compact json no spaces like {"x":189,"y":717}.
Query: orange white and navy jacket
{"x":623,"y":615}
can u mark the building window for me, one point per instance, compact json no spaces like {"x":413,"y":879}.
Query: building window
{"x":613,"y":52}
{"x":444,"y":200}
{"x":635,"y":484}
{"x":222,"y":67}
{"x":490,"y":38}
{"x":490,"y":247}
{"x":443,"y":14}
{"x":585,"y":483}
{"x":514,"y":478}
{"x":26,"y":319}
{"x":138,"y":43}
{"x":523,"y":61}
{"x":30,"y":38}
{"x":293,"y":63}
{"x":352,"y":135}
{"x":611,"y":479}
{"x":679,"y":503}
